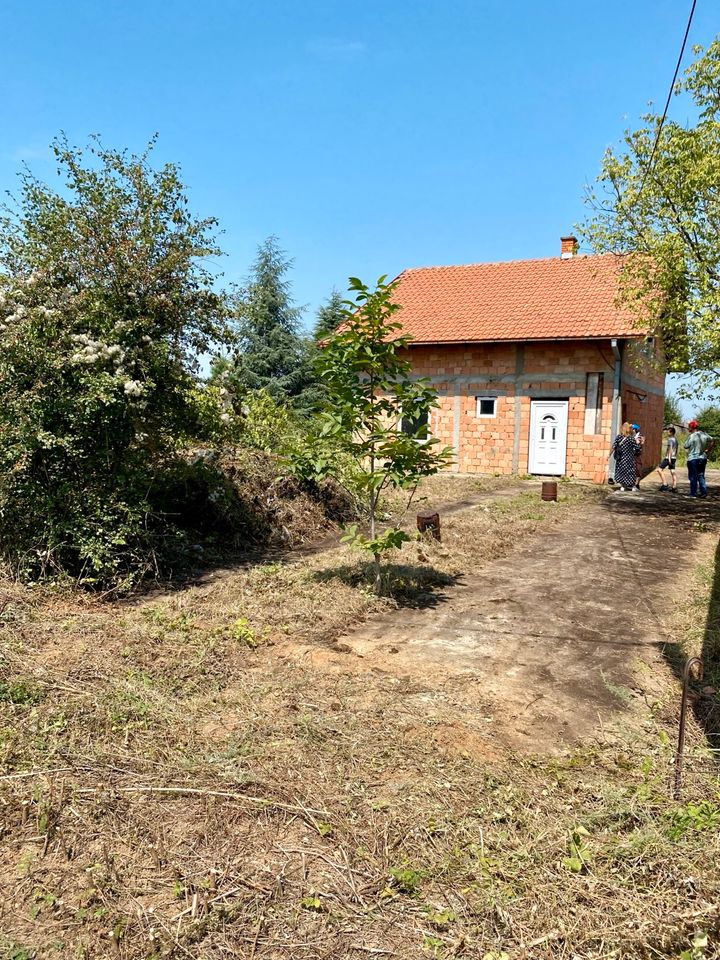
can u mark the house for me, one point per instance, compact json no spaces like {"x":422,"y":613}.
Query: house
{"x":535,"y":362}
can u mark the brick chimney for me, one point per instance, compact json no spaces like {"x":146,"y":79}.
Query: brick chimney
{"x":568,"y":247}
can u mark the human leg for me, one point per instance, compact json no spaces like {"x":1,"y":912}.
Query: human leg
{"x":692,"y":468}
{"x":701,"y":477}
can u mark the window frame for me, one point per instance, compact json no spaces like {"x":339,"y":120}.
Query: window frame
{"x":424,"y":439}
{"x":594,"y":394}
{"x":485,"y":416}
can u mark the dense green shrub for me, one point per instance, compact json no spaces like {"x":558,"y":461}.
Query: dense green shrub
{"x":266,"y":423}
{"x":104,"y":306}
{"x":303,"y":451}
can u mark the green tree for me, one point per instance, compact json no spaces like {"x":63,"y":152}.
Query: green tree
{"x":104,"y":308}
{"x":377,"y":411}
{"x":662,"y":203}
{"x":329,"y":316}
{"x":709,"y":422}
{"x":671,"y":412}
{"x":271,"y":354}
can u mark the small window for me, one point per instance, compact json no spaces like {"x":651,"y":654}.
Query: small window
{"x":416,"y":427}
{"x":593,"y":403}
{"x":486,"y":406}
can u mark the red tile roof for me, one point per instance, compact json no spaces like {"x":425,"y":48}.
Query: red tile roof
{"x":521,"y":300}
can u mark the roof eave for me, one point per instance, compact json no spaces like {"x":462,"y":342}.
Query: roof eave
{"x":636,"y":334}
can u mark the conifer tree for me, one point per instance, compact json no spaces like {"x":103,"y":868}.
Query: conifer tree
{"x":329,"y":316}
{"x":272,"y":355}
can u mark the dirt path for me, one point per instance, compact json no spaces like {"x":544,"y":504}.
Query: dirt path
{"x":474,"y":499}
{"x":548,"y":645}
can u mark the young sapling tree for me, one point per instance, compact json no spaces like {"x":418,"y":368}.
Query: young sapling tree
{"x":377,"y":410}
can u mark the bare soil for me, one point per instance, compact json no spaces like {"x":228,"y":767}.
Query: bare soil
{"x":546,"y":645}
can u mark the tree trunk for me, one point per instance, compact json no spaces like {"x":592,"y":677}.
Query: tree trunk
{"x":377,"y":579}
{"x":377,"y":583}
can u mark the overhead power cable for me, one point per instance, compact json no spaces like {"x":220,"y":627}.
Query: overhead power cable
{"x":667,"y":102}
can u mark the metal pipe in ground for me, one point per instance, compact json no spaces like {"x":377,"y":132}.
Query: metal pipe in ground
{"x":549,"y":490}
{"x":428,"y":521}
{"x":691,"y":664}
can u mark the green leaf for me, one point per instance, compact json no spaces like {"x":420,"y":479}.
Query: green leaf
{"x":312,"y":902}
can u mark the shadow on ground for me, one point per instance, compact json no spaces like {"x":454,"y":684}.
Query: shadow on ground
{"x":699,"y":515}
{"x":416,"y":587}
{"x":707,"y":707}
{"x":693,"y":510}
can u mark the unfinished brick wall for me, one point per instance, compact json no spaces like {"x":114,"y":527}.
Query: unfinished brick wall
{"x":643,"y":377}
{"x":516,"y":374}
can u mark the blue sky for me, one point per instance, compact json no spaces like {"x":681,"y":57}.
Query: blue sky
{"x":368,"y":136}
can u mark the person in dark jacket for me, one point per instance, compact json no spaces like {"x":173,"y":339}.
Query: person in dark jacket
{"x":625,"y":450}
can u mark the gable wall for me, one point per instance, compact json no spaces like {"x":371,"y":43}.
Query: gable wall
{"x":515,"y":374}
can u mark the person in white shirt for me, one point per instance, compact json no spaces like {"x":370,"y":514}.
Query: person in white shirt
{"x":668,"y":462}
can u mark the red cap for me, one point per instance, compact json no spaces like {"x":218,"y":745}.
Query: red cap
{"x":693,"y":425}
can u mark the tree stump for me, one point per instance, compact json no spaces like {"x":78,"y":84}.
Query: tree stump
{"x":429,"y":522}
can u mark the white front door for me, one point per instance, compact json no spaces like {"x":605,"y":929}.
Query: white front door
{"x":548,"y":436}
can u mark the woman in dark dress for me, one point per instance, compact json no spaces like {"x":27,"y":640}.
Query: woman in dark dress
{"x":625,"y":450}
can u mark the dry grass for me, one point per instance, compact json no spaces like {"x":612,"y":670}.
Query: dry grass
{"x":313,"y":815}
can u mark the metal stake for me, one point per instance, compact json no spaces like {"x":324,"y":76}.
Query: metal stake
{"x":689,"y":665}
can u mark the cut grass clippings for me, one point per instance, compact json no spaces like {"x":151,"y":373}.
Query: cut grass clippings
{"x":175,"y":786}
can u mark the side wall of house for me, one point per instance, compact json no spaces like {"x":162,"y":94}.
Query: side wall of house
{"x":516,"y":374}
{"x":643,"y":394}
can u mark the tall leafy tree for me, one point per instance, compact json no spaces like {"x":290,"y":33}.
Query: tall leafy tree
{"x":658,"y":197}
{"x":671,"y":411}
{"x":271,"y":354}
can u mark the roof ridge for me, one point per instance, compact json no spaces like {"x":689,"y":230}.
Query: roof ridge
{"x":509,"y":263}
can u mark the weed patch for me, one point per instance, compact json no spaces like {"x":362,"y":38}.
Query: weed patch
{"x":19,"y":692}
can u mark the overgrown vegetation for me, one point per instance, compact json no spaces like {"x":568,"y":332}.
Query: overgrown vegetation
{"x":117,"y":460}
{"x":104,"y":306}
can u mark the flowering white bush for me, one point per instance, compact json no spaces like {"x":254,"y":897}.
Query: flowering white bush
{"x":104,"y":307}
{"x":133,"y":388}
